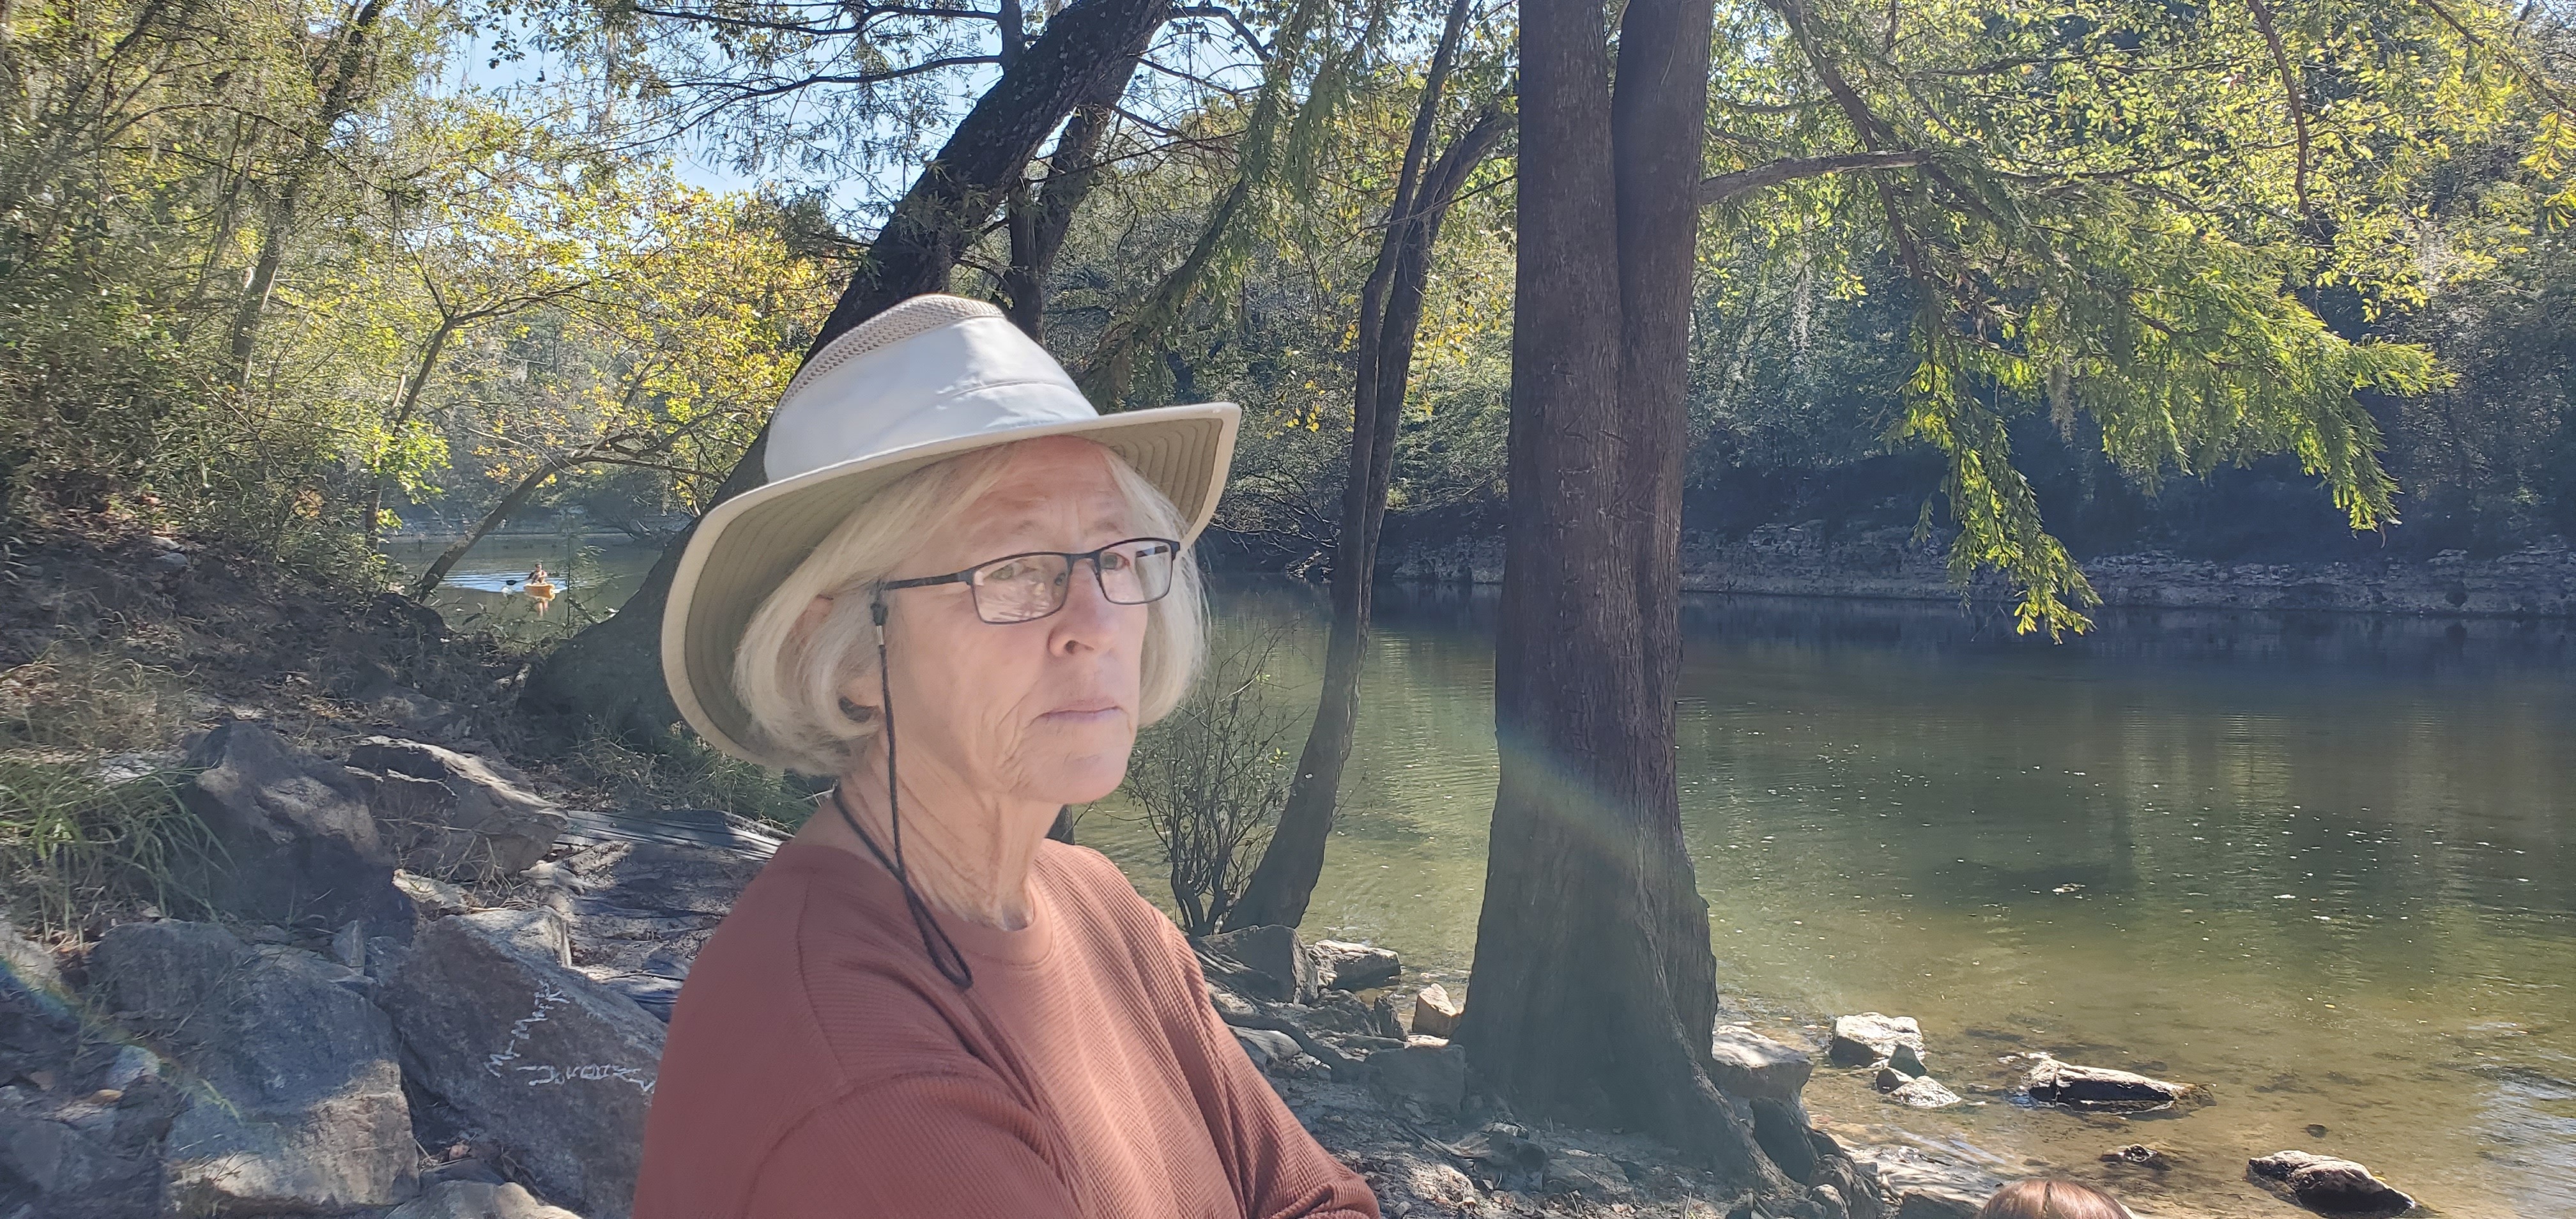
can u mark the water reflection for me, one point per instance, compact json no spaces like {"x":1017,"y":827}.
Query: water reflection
{"x":2320,"y":863}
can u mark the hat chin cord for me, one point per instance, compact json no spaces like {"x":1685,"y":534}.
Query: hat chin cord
{"x":934,"y":938}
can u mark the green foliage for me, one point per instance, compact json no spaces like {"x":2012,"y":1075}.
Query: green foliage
{"x":689,"y":774}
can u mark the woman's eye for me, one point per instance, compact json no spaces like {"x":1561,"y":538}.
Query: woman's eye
{"x":1116,"y":560}
{"x":1003,"y":572}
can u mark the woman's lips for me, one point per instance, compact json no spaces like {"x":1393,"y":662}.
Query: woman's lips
{"x":1084,"y":712}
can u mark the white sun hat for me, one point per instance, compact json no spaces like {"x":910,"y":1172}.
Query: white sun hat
{"x":926,"y":380}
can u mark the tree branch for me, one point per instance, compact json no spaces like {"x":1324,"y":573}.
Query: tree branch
{"x":1725,"y":186}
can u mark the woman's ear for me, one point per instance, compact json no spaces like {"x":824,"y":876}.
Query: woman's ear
{"x":812,"y":618}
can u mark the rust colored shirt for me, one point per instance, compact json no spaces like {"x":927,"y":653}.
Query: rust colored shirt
{"x":819,"y":1065}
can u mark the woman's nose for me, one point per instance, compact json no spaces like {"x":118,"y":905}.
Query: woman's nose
{"x":1088,"y":616}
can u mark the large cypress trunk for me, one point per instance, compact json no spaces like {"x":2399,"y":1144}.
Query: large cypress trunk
{"x":1593,"y":992}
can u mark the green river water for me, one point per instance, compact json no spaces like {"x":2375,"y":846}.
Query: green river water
{"x":2324,"y":865}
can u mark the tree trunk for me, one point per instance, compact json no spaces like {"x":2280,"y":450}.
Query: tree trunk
{"x":1284,"y":881}
{"x":594,"y":681}
{"x":403,"y":411}
{"x":1592,"y":994}
{"x":1037,"y":235}
{"x":338,"y":98}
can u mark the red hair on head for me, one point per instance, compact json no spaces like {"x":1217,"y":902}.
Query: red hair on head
{"x":2042,"y":1199}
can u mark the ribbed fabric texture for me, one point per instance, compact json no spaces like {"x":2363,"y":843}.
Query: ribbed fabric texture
{"x":818,"y":1065}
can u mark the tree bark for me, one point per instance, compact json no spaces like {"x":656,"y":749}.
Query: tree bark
{"x":1283,"y":882}
{"x":1592,"y":994}
{"x":1037,"y":234}
{"x":339,"y":97}
{"x":594,"y":681}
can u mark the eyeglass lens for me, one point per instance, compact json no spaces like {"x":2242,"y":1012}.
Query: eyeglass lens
{"x":1026,"y":586}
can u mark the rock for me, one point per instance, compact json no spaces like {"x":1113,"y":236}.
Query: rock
{"x":1427,"y":1071}
{"x":131,"y":1065}
{"x":2101,"y":1089}
{"x":1507,"y":1155}
{"x":1750,"y":1064}
{"x":1434,"y":1014}
{"x":349,"y":945}
{"x":1274,"y":953}
{"x":1870,"y":1038}
{"x":1889,"y":1079}
{"x":557,"y":1069}
{"x":1918,"y":1185}
{"x":431,"y":896}
{"x":1576,"y":1171}
{"x":477,"y":1200}
{"x":1341,"y":1012}
{"x":1343,"y":965}
{"x":1923,"y":1092}
{"x":1909,"y":1060}
{"x":642,"y":910}
{"x":2328,"y":1185}
{"x":301,"y":1106}
{"x":452,"y":816}
{"x":2139,"y":1154}
{"x":298,"y":842}
{"x":1265,"y":1047}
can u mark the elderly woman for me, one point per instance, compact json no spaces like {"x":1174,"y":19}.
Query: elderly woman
{"x":960,"y":593}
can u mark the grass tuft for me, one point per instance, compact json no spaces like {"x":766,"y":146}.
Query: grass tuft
{"x":76,"y":843}
{"x":690,"y":774}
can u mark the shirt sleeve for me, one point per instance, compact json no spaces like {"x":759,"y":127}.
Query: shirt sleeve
{"x":924,"y":1146}
{"x":1280,"y":1171}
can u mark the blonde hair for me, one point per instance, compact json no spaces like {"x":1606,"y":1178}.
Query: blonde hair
{"x":790,"y":679}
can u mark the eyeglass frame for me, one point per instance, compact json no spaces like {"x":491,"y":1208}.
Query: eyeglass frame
{"x":1072,"y":560}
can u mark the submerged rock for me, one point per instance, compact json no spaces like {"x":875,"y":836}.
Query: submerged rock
{"x":2328,"y":1185}
{"x":2103,"y":1090}
{"x":1908,"y":1059}
{"x":301,"y":1106}
{"x":556,"y":1068}
{"x":1342,"y":965}
{"x":1870,"y":1038}
{"x":450,"y":815}
{"x":1749,"y":1064}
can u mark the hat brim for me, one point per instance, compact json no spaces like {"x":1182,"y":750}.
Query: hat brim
{"x":745,"y":547}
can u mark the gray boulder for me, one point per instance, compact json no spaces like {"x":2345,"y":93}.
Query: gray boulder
{"x":1427,"y":1071}
{"x":298,"y":842}
{"x":1343,"y":965}
{"x":2103,"y":1090}
{"x":1870,"y":1038}
{"x":642,"y":910}
{"x":453,"y":816}
{"x":1749,"y":1064}
{"x":299,"y":1104}
{"x":2328,"y":1185}
{"x":1282,"y":971}
{"x":1265,"y":1047}
{"x":554,"y":1067}
{"x":477,"y":1200}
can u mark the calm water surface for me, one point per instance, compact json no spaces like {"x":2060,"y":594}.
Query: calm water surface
{"x":2324,"y":865}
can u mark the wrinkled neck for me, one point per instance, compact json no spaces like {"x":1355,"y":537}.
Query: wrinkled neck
{"x":967,"y":853}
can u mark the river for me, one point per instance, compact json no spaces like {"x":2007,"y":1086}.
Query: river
{"x":2324,"y":865}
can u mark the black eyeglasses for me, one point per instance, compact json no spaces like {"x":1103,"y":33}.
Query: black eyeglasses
{"x":1026,"y":587}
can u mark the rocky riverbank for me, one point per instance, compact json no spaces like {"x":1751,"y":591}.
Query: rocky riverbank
{"x":1811,"y":560}
{"x":428,"y":978}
